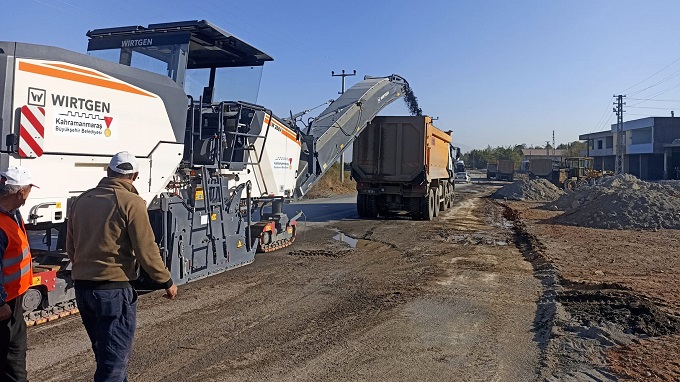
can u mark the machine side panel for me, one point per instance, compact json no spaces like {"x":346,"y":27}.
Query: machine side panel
{"x":88,"y":112}
{"x":274,"y":160}
{"x":168,"y":91}
{"x":88,"y":115}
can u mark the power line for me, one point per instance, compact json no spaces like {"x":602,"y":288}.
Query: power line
{"x":664,"y":68}
{"x":652,"y":107}
{"x":659,"y":93}
{"x":655,"y":100}
{"x":606,"y":123}
{"x":674,"y":74}
{"x":599,"y":122}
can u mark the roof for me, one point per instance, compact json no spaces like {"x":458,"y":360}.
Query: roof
{"x":599,"y":134}
{"x":209,"y":45}
{"x":544,"y":152}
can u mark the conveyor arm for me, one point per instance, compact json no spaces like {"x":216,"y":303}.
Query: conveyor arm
{"x":338,"y":126}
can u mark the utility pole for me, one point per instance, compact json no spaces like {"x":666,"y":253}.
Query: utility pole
{"x":342,"y":155}
{"x":553,"y":142}
{"x":620,"y":141}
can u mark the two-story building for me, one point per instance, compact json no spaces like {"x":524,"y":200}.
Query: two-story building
{"x":651,"y":148}
{"x":549,"y":153}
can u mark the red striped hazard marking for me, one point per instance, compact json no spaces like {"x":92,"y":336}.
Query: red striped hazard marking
{"x":31,"y":131}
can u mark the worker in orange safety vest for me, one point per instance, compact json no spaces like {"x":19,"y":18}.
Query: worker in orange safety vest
{"x":16,"y":273}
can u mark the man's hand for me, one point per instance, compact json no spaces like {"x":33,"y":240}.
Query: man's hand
{"x":5,"y":312}
{"x":171,"y":292}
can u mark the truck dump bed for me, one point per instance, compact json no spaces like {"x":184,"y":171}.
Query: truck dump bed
{"x":401,"y":149}
{"x":541,"y":167}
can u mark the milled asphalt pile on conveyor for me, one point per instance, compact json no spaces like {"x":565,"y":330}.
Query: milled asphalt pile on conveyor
{"x":621,"y":202}
{"x":535,"y":190}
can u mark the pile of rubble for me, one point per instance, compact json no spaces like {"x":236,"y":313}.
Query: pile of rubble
{"x":535,"y":190}
{"x":621,"y":202}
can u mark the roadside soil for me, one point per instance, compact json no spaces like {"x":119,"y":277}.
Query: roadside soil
{"x":448,"y":300}
{"x":619,"y":292}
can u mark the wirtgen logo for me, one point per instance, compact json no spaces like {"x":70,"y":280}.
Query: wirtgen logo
{"x":36,"y":97}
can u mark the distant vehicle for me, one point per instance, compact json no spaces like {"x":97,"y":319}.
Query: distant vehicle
{"x":524,"y":166}
{"x":462,"y":177}
{"x":459,"y":166}
{"x":506,"y":170}
{"x":491,"y":169}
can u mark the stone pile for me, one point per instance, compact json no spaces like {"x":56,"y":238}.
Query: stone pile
{"x":621,"y":202}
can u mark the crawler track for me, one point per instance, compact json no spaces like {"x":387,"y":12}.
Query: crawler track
{"x":51,"y":313}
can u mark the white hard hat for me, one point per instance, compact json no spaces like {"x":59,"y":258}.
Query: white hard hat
{"x":16,"y":176}
{"x":121,"y":158}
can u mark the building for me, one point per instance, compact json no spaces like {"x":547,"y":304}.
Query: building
{"x":651,"y":152}
{"x":557,"y":154}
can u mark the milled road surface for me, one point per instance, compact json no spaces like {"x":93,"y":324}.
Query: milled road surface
{"x":448,"y":300}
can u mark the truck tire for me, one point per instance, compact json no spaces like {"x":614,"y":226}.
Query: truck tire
{"x":436,"y":206}
{"x":449,"y":196}
{"x":427,"y":206}
{"x":371,"y":206}
{"x":443,"y":196}
{"x":361,"y":205}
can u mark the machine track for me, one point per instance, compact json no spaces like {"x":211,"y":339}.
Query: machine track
{"x":52,"y":313}
{"x":279,"y":244}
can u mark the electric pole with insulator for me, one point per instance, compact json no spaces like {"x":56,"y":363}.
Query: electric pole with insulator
{"x":342,"y":155}
{"x":620,"y":140}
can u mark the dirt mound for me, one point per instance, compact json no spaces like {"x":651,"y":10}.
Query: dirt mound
{"x":621,"y":202}
{"x":529,"y":190}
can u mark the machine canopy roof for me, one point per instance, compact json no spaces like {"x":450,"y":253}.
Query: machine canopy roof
{"x":209,"y":45}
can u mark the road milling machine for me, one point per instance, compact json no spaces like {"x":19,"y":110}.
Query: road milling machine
{"x":214,"y":172}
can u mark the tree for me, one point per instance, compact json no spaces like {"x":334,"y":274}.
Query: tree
{"x":481,"y":158}
{"x":574,"y":149}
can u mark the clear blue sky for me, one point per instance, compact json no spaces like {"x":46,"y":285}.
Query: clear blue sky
{"x":496,"y":72}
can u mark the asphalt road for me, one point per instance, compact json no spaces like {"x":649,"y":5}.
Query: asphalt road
{"x":339,"y":207}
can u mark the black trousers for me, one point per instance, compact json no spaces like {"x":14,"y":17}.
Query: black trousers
{"x":13,"y":344}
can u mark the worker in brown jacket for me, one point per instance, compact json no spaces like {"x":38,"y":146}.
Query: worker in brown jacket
{"x":108,"y":235}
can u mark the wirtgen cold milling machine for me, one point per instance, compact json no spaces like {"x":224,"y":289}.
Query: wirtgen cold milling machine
{"x":208,"y":166}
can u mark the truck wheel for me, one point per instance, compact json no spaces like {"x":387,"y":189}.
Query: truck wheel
{"x":449,"y":196}
{"x":371,"y":206}
{"x":361,"y":205}
{"x":435,"y":205}
{"x":427,"y":206}
{"x":444,"y":195}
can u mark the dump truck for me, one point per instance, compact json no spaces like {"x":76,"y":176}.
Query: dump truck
{"x":541,"y":168}
{"x":505,"y":169}
{"x":214,"y":171}
{"x":403,"y":163}
{"x":491,"y":170}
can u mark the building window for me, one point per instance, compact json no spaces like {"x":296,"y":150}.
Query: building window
{"x":641,"y":136}
{"x":599,"y":144}
{"x":609,"y":142}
